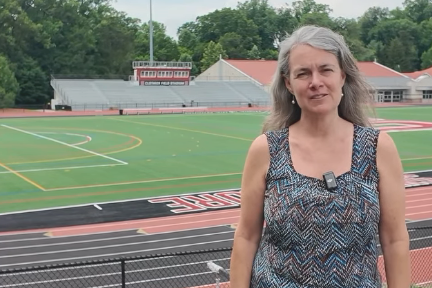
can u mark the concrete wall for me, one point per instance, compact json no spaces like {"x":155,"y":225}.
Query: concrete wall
{"x":221,"y":71}
{"x":420,"y":85}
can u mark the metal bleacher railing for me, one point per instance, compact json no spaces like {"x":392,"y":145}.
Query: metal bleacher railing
{"x":106,"y":107}
{"x":203,"y":269}
{"x":195,"y":269}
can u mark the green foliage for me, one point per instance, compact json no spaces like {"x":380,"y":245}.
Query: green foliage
{"x":427,"y":59}
{"x":89,"y":37}
{"x":8,"y":84}
{"x":212,"y":53}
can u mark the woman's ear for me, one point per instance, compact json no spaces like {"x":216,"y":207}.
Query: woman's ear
{"x":288,"y":85}
{"x":343,"y":78}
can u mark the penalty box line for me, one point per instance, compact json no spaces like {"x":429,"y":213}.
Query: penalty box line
{"x":64,"y":143}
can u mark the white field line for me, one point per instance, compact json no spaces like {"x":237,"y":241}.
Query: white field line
{"x":45,"y":238}
{"x":408,"y":130}
{"x":107,"y":202}
{"x":417,"y":158}
{"x":103,"y":247}
{"x":141,"y":182}
{"x":133,"y":252}
{"x":109,"y":239}
{"x":154,"y":197}
{"x":64,"y":143}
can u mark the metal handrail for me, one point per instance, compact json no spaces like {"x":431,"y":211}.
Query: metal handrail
{"x":219,"y":271}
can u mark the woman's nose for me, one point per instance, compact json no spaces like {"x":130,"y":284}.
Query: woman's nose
{"x":315,"y":80}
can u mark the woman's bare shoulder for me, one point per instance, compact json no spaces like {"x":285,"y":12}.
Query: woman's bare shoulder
{"x":258,"y":157}
{"x":386,"y":149}
{"x":389,"y":165}
{"x":259,"y":144}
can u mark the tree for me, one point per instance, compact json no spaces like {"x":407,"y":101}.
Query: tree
{"x":165,"y":47}
{"x":234,"y":46}
{"x":265,"y":18}
{"x":393,"y":33}
{"x":89,"y":37}
{"x":426,"y":59}
{"x":188,"y":58}
{"x":34,"y":83}
{"x":212,"y":54}
{"x":213,"y":26}
{"x":254,"y":53}
{"x":418,"y":10}
{"x":8,"y":84}
{"x":369,"y":20}
{"x":305,"y":7}
{"x":188,"y":40}
{"x":114,"y":46}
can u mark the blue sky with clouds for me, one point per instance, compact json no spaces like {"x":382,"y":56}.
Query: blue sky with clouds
{"x":173,"y":13}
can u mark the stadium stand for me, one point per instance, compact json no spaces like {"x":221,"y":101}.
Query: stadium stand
{"x":119,"y":93}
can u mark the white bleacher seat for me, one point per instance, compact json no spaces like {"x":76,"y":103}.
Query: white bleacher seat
{"x":103,"y":94}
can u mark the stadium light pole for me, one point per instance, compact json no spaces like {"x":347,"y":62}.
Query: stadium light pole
{"x":151,"y":34}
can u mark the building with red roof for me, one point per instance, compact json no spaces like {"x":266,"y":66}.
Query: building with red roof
{"x":389,"y":85}
{"x":423,"y":82}
{"x":417,"y":74}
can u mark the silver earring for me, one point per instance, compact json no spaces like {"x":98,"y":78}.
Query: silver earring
{"x":293,"y":102}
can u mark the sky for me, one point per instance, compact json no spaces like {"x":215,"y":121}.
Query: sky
{"x":173,"y":13}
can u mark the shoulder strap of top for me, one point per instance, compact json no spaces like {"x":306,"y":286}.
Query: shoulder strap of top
{"x":275,"y":140}
{"x":277,"y":144}
{"x":365,"y":150}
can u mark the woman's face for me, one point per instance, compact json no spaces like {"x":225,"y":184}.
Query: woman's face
{"x":315,"y":79}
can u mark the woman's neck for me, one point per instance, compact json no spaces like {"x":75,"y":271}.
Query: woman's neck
{"x":320,"y":126}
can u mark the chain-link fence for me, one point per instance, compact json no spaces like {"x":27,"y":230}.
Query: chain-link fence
{"x":176,"y":270}
{"x":203,"y":269}
{"x":420,"y":256}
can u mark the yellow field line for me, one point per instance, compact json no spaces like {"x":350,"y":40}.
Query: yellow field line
{"x":22,"y":177}
{"x":143,"y":181}
{"x":417,"y":158}
{"x":183,"y":129}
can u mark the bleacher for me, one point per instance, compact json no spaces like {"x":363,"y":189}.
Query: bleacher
{"x":221,"y":91}
{"x":82,"y":91}
{"x":103,"y":94}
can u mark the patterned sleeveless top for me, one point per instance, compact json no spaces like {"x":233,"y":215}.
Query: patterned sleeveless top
{"x":314,"y":237}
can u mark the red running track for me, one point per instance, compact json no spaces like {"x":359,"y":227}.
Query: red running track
{"x":419,"y":203}
{"x":6,"y":113}
{"x":418,"y":207}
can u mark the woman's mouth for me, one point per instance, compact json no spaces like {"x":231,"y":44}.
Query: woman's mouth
{"x":318,"y":96}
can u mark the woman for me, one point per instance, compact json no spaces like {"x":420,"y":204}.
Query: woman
{"x":316,"y":236}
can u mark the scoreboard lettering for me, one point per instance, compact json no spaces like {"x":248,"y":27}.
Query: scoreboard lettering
{"x":164,"y":83}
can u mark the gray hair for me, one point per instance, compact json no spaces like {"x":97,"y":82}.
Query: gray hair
{"x":357,"y":92}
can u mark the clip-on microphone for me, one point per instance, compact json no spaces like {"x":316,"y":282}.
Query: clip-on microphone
{"x":330,"y":180}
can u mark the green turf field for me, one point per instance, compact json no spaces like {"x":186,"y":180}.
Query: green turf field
{"x":51,"y":162}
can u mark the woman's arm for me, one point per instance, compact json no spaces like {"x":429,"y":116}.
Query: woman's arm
{"x":393,"y":232}
{"x":249,"y":229}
